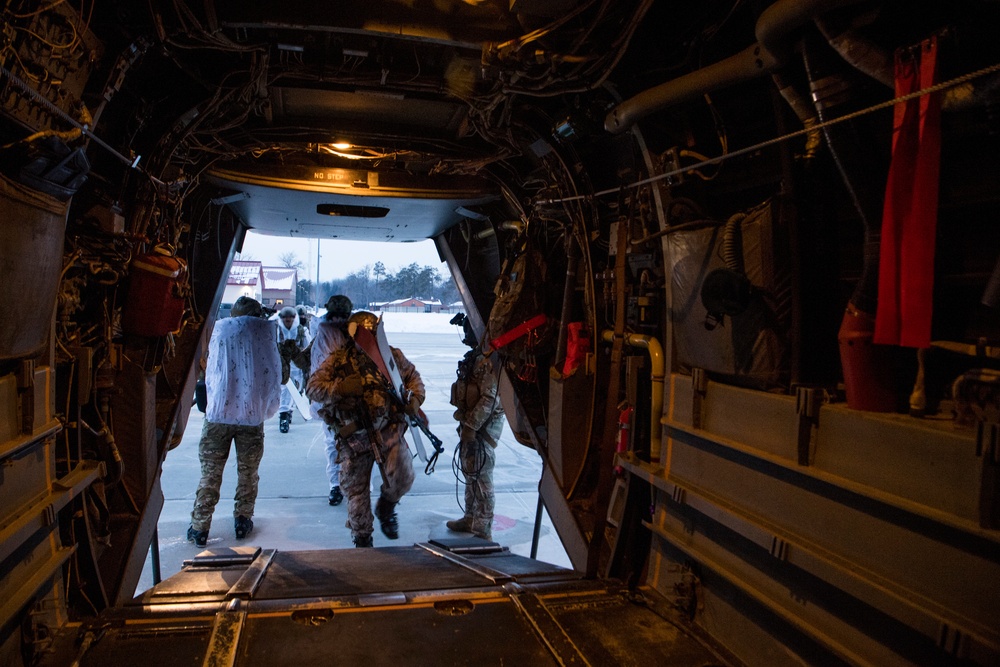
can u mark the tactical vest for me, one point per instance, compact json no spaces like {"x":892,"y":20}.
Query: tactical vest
{"x":350,"y":361}
{"x":465,"y":391}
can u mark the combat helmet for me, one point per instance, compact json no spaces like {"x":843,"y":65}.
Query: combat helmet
{"x":339,"y":306}
{"x":362,"y":318}
{"x":246,"y":306}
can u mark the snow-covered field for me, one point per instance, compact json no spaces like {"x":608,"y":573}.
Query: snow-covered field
{"x":420,"y":323}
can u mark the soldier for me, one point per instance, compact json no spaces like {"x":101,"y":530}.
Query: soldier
{"x":480,"y":421}
{"x":331,"y":335}
{"x":292,"y":339}
{"x":243,"y":377}
{"x":369,"y":421}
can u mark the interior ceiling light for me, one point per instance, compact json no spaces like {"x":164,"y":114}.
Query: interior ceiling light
{"x":351,"y":152}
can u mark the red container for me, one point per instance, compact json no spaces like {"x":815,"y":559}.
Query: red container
{"x":155,"y":303}
{"x":867,"y":367}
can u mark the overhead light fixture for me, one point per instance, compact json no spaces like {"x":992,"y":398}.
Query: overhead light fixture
{"x":352,"y":152}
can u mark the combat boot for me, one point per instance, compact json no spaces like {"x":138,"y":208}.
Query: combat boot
{"x":483,"y":529}
{"x":385,"y":511}
{"x":284,"y":419}
{"x":199,"y":537}
{"x":463,"y":525}
{"x":363,"y":540}
{"x":243,"y":526}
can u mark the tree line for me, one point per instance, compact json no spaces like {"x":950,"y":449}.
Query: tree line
{"x":375,"y":283}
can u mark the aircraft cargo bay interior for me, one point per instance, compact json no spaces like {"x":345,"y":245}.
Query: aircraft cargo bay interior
{"x":733,"y":264}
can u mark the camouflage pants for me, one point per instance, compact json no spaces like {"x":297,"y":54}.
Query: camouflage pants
{"x":356,"y":463}
{"x":477,"y":460}
{"x":213,"y":451}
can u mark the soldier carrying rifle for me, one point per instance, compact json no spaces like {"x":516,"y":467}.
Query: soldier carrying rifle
{"x":369,"y":421}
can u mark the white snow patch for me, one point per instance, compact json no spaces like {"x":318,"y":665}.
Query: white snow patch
{"x":420,"y":323}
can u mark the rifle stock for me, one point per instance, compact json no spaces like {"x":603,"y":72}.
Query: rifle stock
{"x":421,"y":423}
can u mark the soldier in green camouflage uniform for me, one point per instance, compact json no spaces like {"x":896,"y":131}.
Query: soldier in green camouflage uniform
{"x":213,"y":452}
{"x":480,"y":422}
{"x":352,"y":392}
{"x":242,"y":374}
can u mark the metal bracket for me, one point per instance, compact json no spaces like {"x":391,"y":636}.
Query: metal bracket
{"x":225,"y":635}
{"x":807,"y":405}
{"x":699,"y":385}
{"x":553,"y":635}
{"x":988,"y":447}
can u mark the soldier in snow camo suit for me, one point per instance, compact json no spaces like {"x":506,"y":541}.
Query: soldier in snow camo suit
{"x":243,"y":378}
{"x":293,"y":337}
{"x":352,"y":392}
{"x":330,"y":335}
{"x":480,"y":422}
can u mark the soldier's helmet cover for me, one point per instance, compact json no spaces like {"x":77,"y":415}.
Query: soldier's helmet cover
{"x":340,"y":306}
{"x":246,"y":306}
{"x":362,"y":318}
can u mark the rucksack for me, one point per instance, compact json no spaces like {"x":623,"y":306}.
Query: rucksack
{"x":518,"y":324}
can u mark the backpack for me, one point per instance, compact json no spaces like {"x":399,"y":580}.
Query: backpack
{"x":518,"y":325}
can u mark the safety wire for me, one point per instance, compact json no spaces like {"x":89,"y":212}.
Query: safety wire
{"x":467,"y":478}
{"x":930,"y":90}
{"x":470,"y":477}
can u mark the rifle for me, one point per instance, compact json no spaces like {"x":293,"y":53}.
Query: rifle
{"x":374,"y":438}
{"x":420,"y":422}
{"x":402,"y":398}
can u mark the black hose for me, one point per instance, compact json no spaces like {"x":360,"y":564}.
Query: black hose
{"x":859,"y":171}
{"x":732,"y":243}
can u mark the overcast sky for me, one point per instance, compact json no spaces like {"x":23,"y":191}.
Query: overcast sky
{"x":340,"y":258}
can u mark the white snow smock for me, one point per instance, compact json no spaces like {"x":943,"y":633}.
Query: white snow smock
{"x":243,"y":375}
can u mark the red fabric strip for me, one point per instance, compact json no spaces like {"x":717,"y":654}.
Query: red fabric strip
{"x":909,"y":222}
{"x":366,"y":341}
{"x":509,"y":337}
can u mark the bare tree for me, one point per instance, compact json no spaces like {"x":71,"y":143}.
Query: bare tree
{"x":379,"y":272}
{"x":290,"y":261}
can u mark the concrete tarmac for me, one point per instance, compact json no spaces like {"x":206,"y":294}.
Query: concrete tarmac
{"x":293,"y":513}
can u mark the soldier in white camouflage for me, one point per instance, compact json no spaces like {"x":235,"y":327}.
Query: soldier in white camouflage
{"x":243,"y":378}
{"x":357,"y":404}
{"x":480,"y":422}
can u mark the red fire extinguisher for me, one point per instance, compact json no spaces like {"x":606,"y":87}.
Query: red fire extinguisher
{"x":624,"y":426}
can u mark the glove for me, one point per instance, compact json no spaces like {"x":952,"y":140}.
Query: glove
{"x":413,"y":407}
{"x":466,"y":435}
{"x":352,"y":385}
{"x":288,"y":349}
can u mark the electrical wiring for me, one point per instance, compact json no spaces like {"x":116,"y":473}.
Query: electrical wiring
{"x":700,"y":159}
{"x":38,"y":11}
{"x":944,"y":85}
{"x":583,"y":79}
